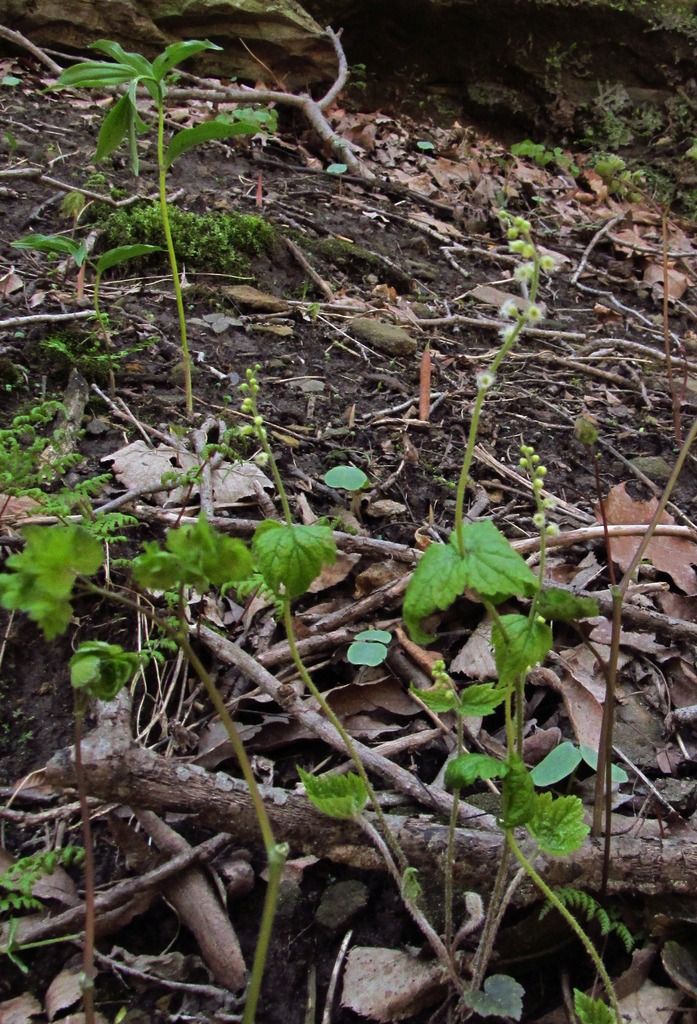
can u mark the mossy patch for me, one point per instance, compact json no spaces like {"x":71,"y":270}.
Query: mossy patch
{"x":216,"y":242}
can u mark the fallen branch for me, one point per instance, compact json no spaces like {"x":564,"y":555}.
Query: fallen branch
{"x":137,"y":777}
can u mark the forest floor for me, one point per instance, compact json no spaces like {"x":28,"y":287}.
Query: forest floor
{"x":420,"y":248}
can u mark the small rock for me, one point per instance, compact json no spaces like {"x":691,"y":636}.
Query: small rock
{"x":384,"y":337}
{"x":340,"y":903}
{"x":654,"y":467}
{"x":251,"y":298}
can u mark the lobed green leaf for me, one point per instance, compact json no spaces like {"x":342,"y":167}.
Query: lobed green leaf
{"x":290,"y":557}
{"x":43,"y":574}
{"x":519,"y":642}
{"x":436,"y":698}
{"x":196,"y":555}
{"x":518,"y":795}
{"x":557,"y":604}
{"x":439,"y":578}
{"x":494,"y":568}
{"x":337,"y":796}
{"x":557,"y":824}
{"x":592,"y":1011}
{"x":102,"y":669}
{"x":479,"y":699}
{"x":502,"y":996}
{"x":467,"y":768}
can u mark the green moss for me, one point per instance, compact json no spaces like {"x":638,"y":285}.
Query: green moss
{"x":216,"y":242}
{"x":86,"y":352}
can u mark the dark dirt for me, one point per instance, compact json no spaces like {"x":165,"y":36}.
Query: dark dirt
{"x":328,"y":399}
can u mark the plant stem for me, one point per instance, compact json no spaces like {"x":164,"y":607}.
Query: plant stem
{"x":551,"y":896}
{"x":338,"y":725}
{"x":166,"y":227}
{"x":497,"y":907}
{"x":104,"y":332}
{"x":463,"y":479}
{"x":424,"y":924}
{"x":87,"y":983}
{"x":603,"y":782}
{"x":276,"y":853}
{"x":276,"y":858}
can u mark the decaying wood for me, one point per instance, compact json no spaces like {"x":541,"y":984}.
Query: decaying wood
{"x":116,"y":907}
{"x":194,"y":898}
{"x":641,"y":863}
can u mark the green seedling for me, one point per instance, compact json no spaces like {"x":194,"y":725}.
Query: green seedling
{"x":16,"y":892}
{"x":425,"y":146}
{"x":563,"y":761}
{"x":478,"y":558}
{"x":337,"y":169}
{"x":123,"y":122}
{"x":369,"y":647}
{"x":543,"y":156}
{"x":59,"y":245}
{"x":348,"y":478}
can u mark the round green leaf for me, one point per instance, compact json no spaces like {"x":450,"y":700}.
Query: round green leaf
{"x":346,"y":478}
{"x":366,"y":653}
{"x":557,"y":765}
{"x":382,"y":636}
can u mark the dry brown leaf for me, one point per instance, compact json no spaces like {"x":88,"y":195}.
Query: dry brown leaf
{"x":584,"y":710}
{"x":13,"y":509}
{"x":20,"y":1010}
{"x":388,"y":985}
{"x":63,"y":992}
{"x":644,"y":642}
{"x":650,"y":1004}
{"x":368,"y":727}
{"x":440,"y":226}
{"x":138,"y":467}
{"x":475,"y":659}
{"x":672,"y":555}
{"x":377,"y":575}
{"x":385,"y":694}
{"x":678,"y":283}
{"x":334,"y":573}
{"x":10,"y":282}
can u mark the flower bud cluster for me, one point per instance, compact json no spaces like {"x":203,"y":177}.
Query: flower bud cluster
{"x":441,"y":679}
{"x":530,"y":462}
{"x":250,"y":389}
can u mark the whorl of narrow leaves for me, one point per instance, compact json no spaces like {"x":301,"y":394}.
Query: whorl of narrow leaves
{"x":337,"y":796}
{"x":42,"y":576}
{"x":291,"y":557}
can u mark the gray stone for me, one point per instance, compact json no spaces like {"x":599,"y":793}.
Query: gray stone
{"x":341,"y":902}
{"x":384,"y":337}
{"x":654,"y":467}
{"x":279,"y":34}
